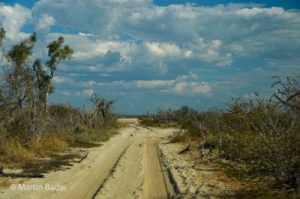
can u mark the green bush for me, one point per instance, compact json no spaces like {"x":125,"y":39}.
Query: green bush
{"x":211,"y":141}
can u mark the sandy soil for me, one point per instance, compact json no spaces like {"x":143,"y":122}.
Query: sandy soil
{"x":133,"y":164}
{"x":196,"y":177}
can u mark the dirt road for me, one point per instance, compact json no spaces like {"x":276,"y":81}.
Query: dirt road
{"x":127,"y":166}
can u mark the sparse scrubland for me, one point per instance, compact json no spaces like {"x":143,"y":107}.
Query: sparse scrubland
{"x":30,"y":127}
{"x":256,"y":141}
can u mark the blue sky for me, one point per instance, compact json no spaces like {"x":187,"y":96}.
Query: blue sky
{"x":148,"y":54}
{"x":288,"y":4}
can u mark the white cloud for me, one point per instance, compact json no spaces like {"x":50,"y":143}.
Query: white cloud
{"x":134,"y":84}
{"x":188,"y":85}
{"x":92,"y":49}
{"x":250,"y":12}
{"x":66,"y":93}
{"x":86,"y":34}
{"x":88,"y":92}
{"x":163,"y":49}
{"x":211,"y":52}
{"x":89,"y":83}
{"x":139,"y":39}
{"x":253,"y":29}
{"x":13,"y":18}
{"x":112,"y":23}
{"x":45,"y":22}
{"x":62,"y":80}
{"x":249,"y":96}
{"x":83,"y":93}
{"x":148,"y":37}
{"x":153,"y":83}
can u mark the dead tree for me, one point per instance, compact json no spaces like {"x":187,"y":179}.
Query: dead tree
{"x":202,"y":131}
{"x":102,"y":111}
{"x":287,"y":93}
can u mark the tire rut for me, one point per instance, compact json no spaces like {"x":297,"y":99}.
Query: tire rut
{"x":110,"y":174}
{"x":126,"y":180}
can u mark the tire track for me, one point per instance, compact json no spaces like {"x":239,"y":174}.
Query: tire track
{"x":155,"y":183}
{"x":110,"y":173}
{"x":89,"y":185}
{"x":127,"y":179}
{"x":128,"y":166}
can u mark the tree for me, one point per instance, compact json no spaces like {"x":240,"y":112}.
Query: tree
{"x":27,"y":82}
{"x":57,"y":52}
{"x":2,"y":35}
{"x":24,"y":86}
{"x":287,"y":93}
{"x":43,"y":82}
{"x":102,"y":111}
{"x":19,"y":76}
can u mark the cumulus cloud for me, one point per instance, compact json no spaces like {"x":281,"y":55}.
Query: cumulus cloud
{"x":250,"y":12}
{"x":162,"y":49}
{"x":86,"y":34}
{"x":88,"y":92}
{"x":45,"y":22}
{"x":62,"y":80}
{"x":186,"y":85}
{"x":13,"y":18}
{"x":191,"y":88}
{"x":89,"y":83}
{"x":102,"y":48}
{"x":150,"y":47}
{"x":250,"y":28}
{"x":153,"y":83}
{"x":134,"y":84}
{"x":249,"y":96}
{"x":83,"y":93}
{"x":66,"y":93}
{"x":174,"y":32}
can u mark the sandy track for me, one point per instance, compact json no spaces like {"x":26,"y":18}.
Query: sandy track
{"x":139,"y":173}
{"x":127,"y":166}
{"x":155,"y":181}
{"x":127,"y":179}
{"x":89,"y":184}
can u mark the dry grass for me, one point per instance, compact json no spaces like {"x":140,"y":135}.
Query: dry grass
{"x":55,"y":143}
{"x":47,"y":145}
{"x":123,"y":123}
{"x":178,"y":137}
{"x":13,"y":151}
{"x":91,"y":137}
{"x":51,"y":151}
{"x":5,"y":182}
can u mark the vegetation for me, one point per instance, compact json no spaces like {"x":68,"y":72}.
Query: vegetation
{"x":29,"y":126}
{"x":258,"y":138}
